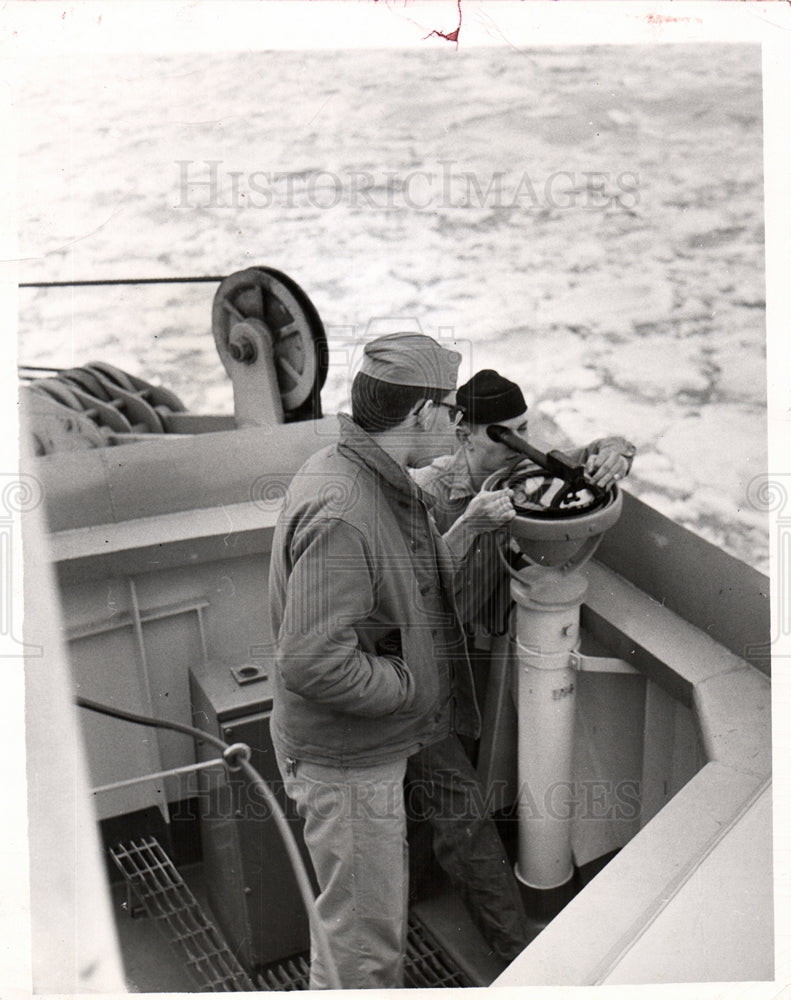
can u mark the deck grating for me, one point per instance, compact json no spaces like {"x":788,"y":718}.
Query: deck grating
{"x":164,"y":896}
{"x":427,"y":966}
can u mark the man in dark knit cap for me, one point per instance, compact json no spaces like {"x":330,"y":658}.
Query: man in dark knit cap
{"x":465,"y":840}
{"x":371,"y":662}
{"x":468,"y":518}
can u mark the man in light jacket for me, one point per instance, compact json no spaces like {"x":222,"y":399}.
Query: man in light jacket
{"x":371,"y":661}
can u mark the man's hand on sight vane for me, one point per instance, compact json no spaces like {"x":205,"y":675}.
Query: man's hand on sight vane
{"x":490,"y":509}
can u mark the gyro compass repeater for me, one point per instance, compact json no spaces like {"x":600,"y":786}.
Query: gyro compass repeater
{"x":558,"y":485}
{"x":560,"y":519}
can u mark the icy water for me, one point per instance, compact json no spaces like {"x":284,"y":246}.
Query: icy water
{"x":587,"y":220}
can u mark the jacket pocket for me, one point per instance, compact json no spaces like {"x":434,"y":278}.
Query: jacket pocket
{"x":420,"y":660}
{"x":390,"y":644}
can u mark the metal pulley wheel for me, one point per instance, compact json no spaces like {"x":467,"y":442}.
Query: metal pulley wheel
{"x":262,"y":305}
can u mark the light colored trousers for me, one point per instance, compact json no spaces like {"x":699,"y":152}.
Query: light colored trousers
{"x":355,"y":831}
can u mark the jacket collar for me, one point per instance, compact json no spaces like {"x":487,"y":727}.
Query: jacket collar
{"x":360,"y":446}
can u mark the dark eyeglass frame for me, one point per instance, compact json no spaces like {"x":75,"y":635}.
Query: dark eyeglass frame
{"x":456,"y":413}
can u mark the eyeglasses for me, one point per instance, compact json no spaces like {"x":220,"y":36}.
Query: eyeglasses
{"x":455,"y":413}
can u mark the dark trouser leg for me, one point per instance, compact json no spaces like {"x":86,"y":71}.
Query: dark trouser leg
{"x":444,"y":787}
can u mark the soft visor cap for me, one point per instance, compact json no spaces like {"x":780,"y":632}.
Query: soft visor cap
{"x":411,"y":359}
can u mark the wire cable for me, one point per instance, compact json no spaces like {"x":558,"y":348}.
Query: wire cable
{"x":103,"y":282}
{"x":235,"y":758}
{"x":145,"y":720}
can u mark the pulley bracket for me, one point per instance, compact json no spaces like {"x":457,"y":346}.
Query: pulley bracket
{"x":272,"y":344}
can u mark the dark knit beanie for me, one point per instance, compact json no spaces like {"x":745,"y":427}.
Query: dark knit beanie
{"x":488,"y":398}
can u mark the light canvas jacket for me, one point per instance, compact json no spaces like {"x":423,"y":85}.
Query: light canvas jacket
{"x":371,"y":663}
